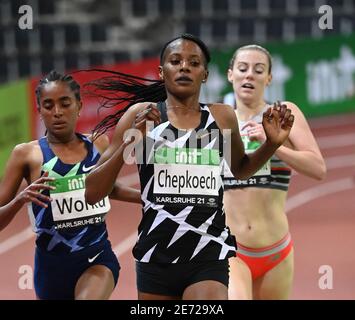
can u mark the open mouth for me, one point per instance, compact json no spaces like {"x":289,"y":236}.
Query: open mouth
{"x":248,"y":86}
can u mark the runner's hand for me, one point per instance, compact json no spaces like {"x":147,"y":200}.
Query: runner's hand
{"x":277,"y":123}
{"x":149,"y":113}
{"x":33,"y":192}
{"x":255,"y":131}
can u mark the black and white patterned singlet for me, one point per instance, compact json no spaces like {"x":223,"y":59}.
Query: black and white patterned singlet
{"x":182,"y":193}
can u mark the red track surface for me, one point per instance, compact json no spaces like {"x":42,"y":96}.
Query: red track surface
{"x":321,"y":216}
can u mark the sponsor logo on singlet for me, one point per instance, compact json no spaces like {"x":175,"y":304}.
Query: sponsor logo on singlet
{"x":262,"y":176}
{"x":186,"y":176}
{"x":69,"y":208}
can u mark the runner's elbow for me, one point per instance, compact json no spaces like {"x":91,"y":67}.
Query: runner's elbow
{"x":241,"y":175}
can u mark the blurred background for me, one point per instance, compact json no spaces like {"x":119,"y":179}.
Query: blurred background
{"x":313,"y":47}
{"x":71,"y":34}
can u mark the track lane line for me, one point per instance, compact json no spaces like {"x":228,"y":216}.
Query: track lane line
{"x":319,"y":191}
{"x":293,"y":202}
{"x":132,"y":179}
{"x":16,"y":240}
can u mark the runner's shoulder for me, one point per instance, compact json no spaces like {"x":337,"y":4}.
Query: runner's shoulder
{"x":24,"y":148}
{"x":27,"y":151}
{"x":101,"y":142}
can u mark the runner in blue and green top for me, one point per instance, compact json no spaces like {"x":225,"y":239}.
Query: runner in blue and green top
{"x":73,"y":258}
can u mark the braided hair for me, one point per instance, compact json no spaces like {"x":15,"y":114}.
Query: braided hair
{"x":120,"y":90}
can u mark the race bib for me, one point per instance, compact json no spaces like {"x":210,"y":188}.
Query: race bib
{"x":69,"y":208}
{"x":186,"y":177}
{"x":251,"y":146}
{"x":262,"y":176}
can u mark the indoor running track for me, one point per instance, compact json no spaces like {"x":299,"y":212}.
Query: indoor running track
{"x":321,"y":216}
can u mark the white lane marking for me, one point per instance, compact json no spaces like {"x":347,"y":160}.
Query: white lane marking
{"x":132,"y":179}
{"x":319,"y":191}
{"x":340,"y":161}
{"x":27,"y":233}
{"x":336,"y":163}
{"x":292,"y":203}
{"x":16,"y":240}
{"x":332,"y":121}
{"x":341,"y":140}
{"x":129,"y":180}
{"x":125,"y":245}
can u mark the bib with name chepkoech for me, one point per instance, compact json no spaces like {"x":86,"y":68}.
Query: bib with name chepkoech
{"x":69,"y":208}
{"x":186,"y":176}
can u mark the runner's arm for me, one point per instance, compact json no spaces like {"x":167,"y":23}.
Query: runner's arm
{"x":125,"y":193}
{"x":101,"y":180}
{"x":242,"y":165}
{"x":15,"y":170}
{"x":119,"y":191}
{"x":304,"y":156}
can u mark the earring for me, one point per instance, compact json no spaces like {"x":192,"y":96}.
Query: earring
{"x":204,"y":80}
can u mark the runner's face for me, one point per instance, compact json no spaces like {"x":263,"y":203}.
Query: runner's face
{"x":59,"y":108}
{"x":183,"y":68}
{"x":250,"y":75}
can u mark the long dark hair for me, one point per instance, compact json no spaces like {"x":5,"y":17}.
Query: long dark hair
{"x":120,"y":90}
